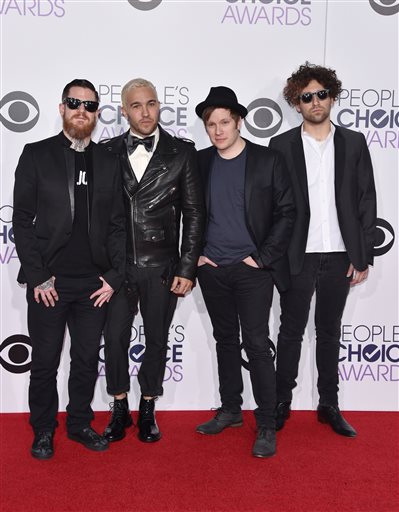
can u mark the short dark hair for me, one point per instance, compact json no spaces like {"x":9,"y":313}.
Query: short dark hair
{"x":206,"y":114}
{"x":79,"y":82}
{"x":306,"y":73}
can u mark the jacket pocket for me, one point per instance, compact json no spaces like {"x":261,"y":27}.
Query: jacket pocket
{"x":154,"y":235}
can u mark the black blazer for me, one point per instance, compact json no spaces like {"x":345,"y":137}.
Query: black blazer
{"x":355,"y":195}
{"x":44,"y":210}
{"x":269,"y":206}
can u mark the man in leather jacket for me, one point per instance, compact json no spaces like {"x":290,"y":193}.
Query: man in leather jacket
{"x":161,"y":185}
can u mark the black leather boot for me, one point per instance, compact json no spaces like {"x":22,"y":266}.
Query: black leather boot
{"x":283,"y":411}
{"x":120,"y":420}
{"x":331,"y":415}
{"x":148,"y":428}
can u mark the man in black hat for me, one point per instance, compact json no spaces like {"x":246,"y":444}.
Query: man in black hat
{"x":250,"y":213}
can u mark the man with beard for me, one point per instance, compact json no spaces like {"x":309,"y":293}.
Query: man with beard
{"x":69,"y":229}
{"x":161,"y":185}
{"x":333,"y":237}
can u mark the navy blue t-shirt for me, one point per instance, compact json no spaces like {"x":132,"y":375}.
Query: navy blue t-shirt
{"x":227,"y":238}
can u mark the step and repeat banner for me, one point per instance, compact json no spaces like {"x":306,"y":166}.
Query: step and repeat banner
{"x":184,"y":48}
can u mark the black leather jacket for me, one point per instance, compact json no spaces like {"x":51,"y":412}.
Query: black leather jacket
{"x":169,"y":188}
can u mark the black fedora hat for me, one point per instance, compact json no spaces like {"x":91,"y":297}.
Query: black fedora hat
{"x":221,"y":97}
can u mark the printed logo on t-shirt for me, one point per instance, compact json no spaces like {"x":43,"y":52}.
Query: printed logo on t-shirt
{"x":82,"y":178}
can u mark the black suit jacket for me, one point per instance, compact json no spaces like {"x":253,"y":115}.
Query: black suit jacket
{"x":269,"y":206}
{"x":355,"y":195}
{"x":44,"y":210}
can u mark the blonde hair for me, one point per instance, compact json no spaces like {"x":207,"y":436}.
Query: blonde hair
{"x":132,"y":84}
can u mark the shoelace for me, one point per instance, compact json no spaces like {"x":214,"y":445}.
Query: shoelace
{"x":45,"y":437}
{"x":148,"y":408}
{"x":118,"y":412}
{"x":218,"y":413}
{"x":263,"y":433}
{"x":92,"y":434}
{"x":116,"y":409}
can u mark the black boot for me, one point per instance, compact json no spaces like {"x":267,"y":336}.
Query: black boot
{"x":332,"y":415}
{"x":283,"y":411}
{"x":148,"y":428}
{"x":120,"y":420}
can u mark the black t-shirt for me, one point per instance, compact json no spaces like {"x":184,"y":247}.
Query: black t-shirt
{"x":75,"y":259}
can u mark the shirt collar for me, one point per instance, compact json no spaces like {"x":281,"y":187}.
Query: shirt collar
{"x":329,"y":136}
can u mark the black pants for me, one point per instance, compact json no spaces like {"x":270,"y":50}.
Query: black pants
{"x":149,"y":288}
{"x":240,"y":295}
{"x":324,"y":273}
{"x":47,"y":330}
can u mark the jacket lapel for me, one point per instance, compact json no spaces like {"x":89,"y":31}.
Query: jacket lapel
{"x":206,"y":158}
{"x":157,"y":166}
{"x":250,"y":170}
{"x":339,"y":159}
{"x":130,"y":182}
{"x":69,"y":157}
{"x":299,"y":164}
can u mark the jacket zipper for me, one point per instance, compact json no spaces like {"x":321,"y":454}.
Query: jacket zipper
{"x":133,"y":212}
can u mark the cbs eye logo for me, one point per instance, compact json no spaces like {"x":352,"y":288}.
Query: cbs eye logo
{"x":385,"y":237}
{"x":16,"y":353}
{"x":6,"y":214}
{"x":264,"y":118}
{"x":385,"y":7}
{"x":22,"y":112}
{"x":144,"y":5}
{"x":272,"y":348}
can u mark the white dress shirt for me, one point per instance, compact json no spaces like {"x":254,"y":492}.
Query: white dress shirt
{"x":140,"y":157}
{"x":324,"y":234}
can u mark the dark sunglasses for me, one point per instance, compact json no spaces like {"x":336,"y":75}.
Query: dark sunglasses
{"x":74,"y":104}
{"x":308,"y":96}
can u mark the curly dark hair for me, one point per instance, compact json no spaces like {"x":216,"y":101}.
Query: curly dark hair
{"x":306,"y":73}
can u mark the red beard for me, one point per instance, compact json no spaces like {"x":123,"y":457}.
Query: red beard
{"x":79,"y":132}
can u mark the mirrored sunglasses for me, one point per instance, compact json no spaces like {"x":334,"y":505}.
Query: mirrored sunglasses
{"x":74,"y":104}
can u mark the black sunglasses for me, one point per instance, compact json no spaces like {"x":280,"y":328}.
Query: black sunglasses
{"x":308,"y":96}
{"x":74,"y":103}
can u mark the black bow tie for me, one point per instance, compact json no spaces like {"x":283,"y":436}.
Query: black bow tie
{"x":133,"y":142}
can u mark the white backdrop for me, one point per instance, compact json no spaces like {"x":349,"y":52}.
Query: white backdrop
{"x":185,"y":47}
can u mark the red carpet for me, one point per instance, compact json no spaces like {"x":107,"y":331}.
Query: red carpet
{"x":315,"y":470}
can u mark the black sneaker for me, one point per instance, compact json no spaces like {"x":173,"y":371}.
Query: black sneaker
{"x":90,"y":439}
{"x":42,"y":447}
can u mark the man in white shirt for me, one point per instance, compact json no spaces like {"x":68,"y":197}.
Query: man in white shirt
{"x":333,"y":237}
